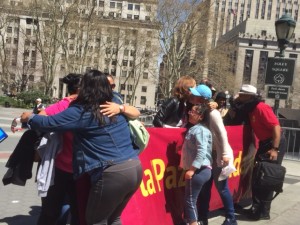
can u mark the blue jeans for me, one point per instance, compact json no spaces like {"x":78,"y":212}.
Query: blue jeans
{"x":192,"y":191}
{"x":224,"y":193}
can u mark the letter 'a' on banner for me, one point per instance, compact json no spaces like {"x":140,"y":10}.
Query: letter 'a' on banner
{"x":159,"y":200}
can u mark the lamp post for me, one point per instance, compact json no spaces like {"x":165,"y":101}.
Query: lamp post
{"x":285,"y":27}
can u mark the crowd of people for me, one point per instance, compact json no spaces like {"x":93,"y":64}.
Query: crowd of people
{"x":96,"y":158}
{"x":206,"y":150}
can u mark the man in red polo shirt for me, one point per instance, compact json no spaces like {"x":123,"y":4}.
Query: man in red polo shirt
{"x":267,"y":129}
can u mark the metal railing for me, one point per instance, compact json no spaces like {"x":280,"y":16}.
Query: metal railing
{"x":292,"y":136}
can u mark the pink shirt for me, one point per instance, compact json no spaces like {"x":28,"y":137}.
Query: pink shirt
{"x":63,"y":159}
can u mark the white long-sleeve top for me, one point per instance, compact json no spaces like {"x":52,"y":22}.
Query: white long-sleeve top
{"x":220,"y":139}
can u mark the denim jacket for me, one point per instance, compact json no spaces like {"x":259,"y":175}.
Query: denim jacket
{"x":94,"y":146}
{"x":197,"y":148}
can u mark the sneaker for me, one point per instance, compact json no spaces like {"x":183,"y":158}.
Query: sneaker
{"x":228,"y":221}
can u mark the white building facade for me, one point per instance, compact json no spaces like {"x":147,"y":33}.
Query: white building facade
{"x":123,"y":43}
{"x":250,"y":26}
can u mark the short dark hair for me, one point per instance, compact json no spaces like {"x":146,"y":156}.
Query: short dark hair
{"x":73,"y":81}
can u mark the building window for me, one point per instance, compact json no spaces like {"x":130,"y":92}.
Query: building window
{"x":9,"y":30}
{"x":144,"y":88}
{"x":145,"y":75}
{"x":147,"y":18}
{"x":32,"y":64}
{"x":31,"y":78}
{"x":26,"y":53}
{"x":71,"y":47}
{"x":119,"y":5}
{"x":122,"y":87}
{"x":101,"y":3}
{"x":126,"y":52}
{"x":124,"y":74}
{"x":8,"y":40}
{"x":112,"y":5}
{"x":132,"y":53}
{"x":294,"y":46}
{"x":148,"y":44}
{"x":248,"y":66}
{"x":146,"y":64}
{"x":107,"y":50}
{"x":265,"y":44}
{"x":15,"y":41}
{"x":130,"y":6}
{"x":143,"y":100}
{"x":263,"y":33}
{"x":128,"y":98}
{"x":28,"y":31}
{"x":148,"y":8}
{"x":129,"y":87}
{"x":250,"y":43}
{"x":136,"y":17}
{"x":294,"y":56}
{"x":137,"y":7}
{"x":129,"y":16}
{"x":113,"y":72}
{"x":125,"y":63}
{"x":111,"y":14}
{"x":27,"y":42}
{"x":114,"y":62}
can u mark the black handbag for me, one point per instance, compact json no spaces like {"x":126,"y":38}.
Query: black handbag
{"x":268,"y":175}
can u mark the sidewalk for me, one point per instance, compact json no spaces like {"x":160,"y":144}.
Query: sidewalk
{"x":21,"y":205}
{"x":285,"y":208}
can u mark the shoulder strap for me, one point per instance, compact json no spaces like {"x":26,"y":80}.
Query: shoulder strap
{"x":118,"y":97}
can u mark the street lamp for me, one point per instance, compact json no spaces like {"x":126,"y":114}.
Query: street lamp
{"x":285,"y":27}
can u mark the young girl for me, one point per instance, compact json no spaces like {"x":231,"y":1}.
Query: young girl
{"x":196,"y":159}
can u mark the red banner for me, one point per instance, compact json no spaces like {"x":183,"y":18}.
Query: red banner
{"x":159,"y":199}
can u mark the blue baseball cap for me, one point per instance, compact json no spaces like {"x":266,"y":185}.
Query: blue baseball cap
{"x":202,"y":91}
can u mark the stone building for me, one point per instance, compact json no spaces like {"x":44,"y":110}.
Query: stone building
{"x":248,"y":27}
{"x":117,"y":37}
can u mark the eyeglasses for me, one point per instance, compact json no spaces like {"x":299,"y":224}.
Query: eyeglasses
{"x":112,"y":86}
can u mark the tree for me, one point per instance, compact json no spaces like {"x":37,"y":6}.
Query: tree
{"x":187,"y":30}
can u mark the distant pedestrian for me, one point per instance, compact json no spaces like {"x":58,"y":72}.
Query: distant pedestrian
{"x":38,"y":106}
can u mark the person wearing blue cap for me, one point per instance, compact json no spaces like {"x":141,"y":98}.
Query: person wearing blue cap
{"x":222,"y":156}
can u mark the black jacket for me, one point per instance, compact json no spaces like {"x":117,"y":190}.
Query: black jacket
{"x":20,"y":162}
{"x":170,"y":113}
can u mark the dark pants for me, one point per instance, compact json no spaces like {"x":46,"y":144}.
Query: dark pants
{"x":63,"y":188}
{"x":111,"y":193}
{"x":262,"y":198}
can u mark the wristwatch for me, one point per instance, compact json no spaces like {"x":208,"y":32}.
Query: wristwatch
{"x":122,"y":108}
{"x":275,"y":148}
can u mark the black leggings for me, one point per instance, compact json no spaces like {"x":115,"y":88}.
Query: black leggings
{"x":109,"y":195}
